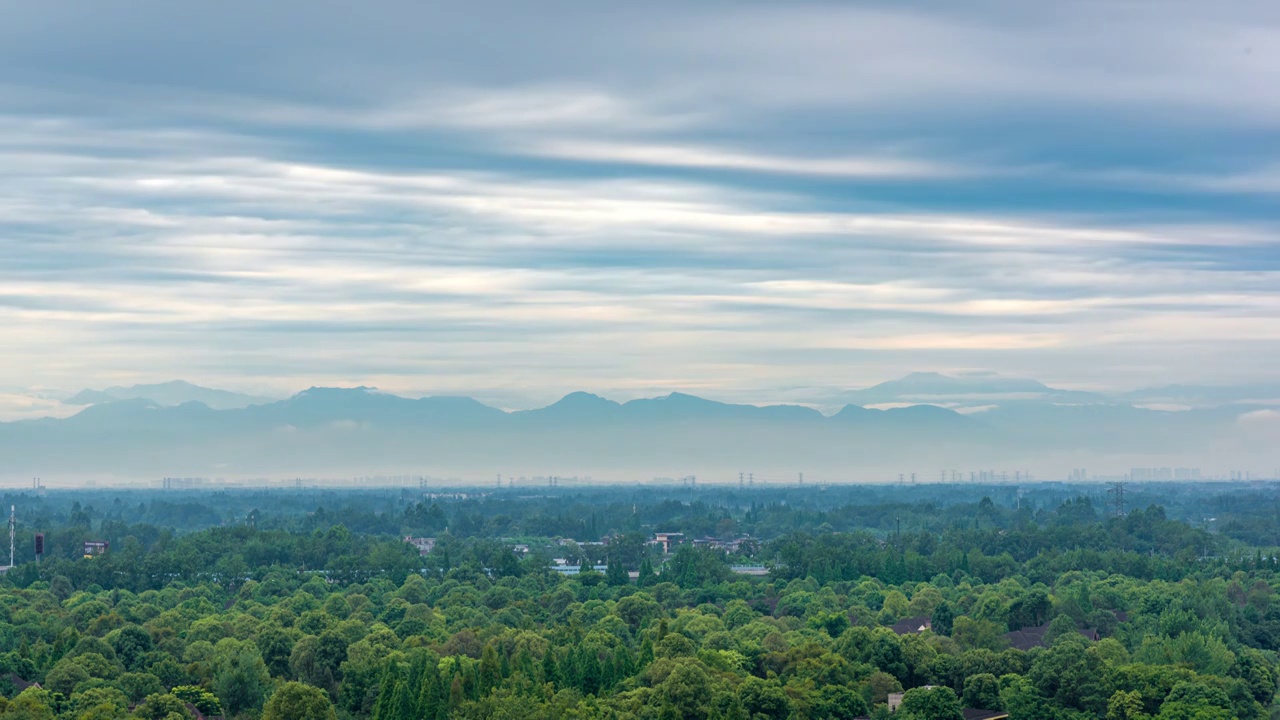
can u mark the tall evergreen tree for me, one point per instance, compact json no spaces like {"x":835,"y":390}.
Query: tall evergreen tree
{"x":383,"y":707}
{"x":589,"y":672}
{"x":646,"y":577}
{"x":490,"y":673}
{"x":456,"y":695}
{"x":616,"y":573}
{"x":524,"y":664}
{"x":431,"y":695}
{"x":550,"y":668}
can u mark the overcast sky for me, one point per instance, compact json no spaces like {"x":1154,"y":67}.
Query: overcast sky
{"x":749,"y":201}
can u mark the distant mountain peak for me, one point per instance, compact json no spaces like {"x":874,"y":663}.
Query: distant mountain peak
{"x":686,"y":398}
{"x":928,"y":387}
{"x":924,"y":375}
{"x":580,"y":405}
{"x":321,"y":390}
{"x":581,"y":397}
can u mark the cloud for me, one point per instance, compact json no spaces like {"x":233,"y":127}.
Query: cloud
{"x":734,"y":198}
{"x":1261,"y":419}
{"x":22,"y":405}
{"x":711,"y":158}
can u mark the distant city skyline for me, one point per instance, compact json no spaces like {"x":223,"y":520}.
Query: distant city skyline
{"x":746,"y":201}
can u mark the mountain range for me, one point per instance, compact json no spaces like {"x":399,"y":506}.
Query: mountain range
{"x":973,"y":422}
{"x":174,"y":392}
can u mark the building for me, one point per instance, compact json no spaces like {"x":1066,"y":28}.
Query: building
{"x":424,"y":545}
{"x":93,"y":548}
{"x":1164,"y":473}
{"x":1033,"y":637}
{"x":895,"y":700}
{"x":913,"y":625}
{"x":668,"y":540}
{"x":562,"y":567}
{"x":733,"y":546}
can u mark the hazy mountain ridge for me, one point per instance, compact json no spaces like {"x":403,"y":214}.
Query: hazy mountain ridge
{"x":174,"y":392}
{"x":932,"y":386}
{"x":338,"y":430}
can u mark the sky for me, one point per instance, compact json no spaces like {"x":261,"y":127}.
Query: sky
{"x":750,"y":201}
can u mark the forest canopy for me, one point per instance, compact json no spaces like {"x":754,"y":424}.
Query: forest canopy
{"x":1046,"y":604}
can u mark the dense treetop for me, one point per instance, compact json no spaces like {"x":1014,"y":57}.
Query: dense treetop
{"x":247,"y":604}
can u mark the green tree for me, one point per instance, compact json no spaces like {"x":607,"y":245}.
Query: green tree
{"x":65,"y":676}
{"x":101,"y":702}
{"x":162,"y":706}
{"x":1059,"y":626}
{"x":1022,"y":702}
{"x":646,"y":577}
{"x":296,"y":701}
{"x":688,"y":690}
{"x":240,"y":677}
{"x":34,"y":703}
{"x":764,"y":698}
{"x":1195,"y":700}
{"x":275,"y":645}
{"x":316,"y":660}
{"x":203,"y":700}
{"x":131,"y":644}
{"x":490,"y":669}
{"x":1126,"y":706}
{"x":975,"y":634}
{"x":550,"y":668}
{"x":837,"y":702}
{"x":137,"y":686}
{"x":943,"y":619}
{"x":1070,"y":675}
{"x":616,"y":573}
{"x":938,"y":703}
{"x":982,"y":691}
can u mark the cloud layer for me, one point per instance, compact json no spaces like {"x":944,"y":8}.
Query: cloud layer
{"x":751,"y":201}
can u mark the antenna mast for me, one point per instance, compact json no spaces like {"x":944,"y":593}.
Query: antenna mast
{"x":13,"y":523}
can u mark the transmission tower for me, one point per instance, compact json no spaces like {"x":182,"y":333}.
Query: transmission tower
{"x":1116,"y":492}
